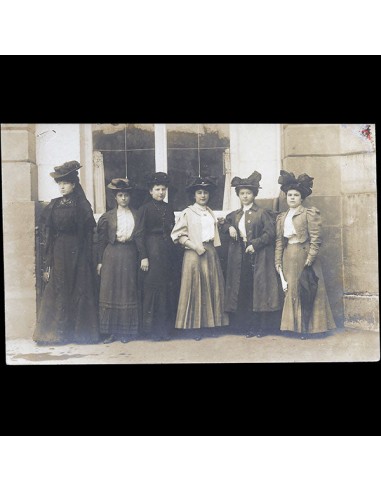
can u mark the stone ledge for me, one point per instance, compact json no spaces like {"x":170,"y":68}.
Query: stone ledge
{"x":361,"y":312}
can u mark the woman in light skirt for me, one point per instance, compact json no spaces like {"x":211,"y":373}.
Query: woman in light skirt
{"x":201,"y":301}
{"x":297,"y":246}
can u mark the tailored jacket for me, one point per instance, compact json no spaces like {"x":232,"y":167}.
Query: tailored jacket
{"x":107,"y":225}
{"x":188,"y":226}
{"x":260,"y":230}
{"x":307,"y":223}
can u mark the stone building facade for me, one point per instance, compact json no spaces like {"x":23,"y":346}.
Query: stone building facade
{"x":341,"y":158}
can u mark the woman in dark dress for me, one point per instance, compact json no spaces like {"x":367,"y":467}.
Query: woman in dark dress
{"x":69,"y":309}
{"x":158,"y":277}
{"x":118,"y":267}
{"x":253,"y":295}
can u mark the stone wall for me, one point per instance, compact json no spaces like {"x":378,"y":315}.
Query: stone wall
{"x":343,"y":164}
{"x":19,"y":186}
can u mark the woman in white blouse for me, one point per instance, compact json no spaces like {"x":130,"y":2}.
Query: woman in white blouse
{"x":298,"y":241}
{"x":118,"y":267}
{"x":201,"y":301}
{"x":253,"y":296}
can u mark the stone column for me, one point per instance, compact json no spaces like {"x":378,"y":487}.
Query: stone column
{"x":342,"y":162}
{"x":19,"y":187}
{"x":360,"y":252}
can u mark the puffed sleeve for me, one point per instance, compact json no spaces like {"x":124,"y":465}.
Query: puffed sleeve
{"x":139,"y":234}
{"x":102,"y":230}
{"x":179,"y":233}
{"x":279,"y":241}
{"x":268,"y":231}
{"x":314,"y":231}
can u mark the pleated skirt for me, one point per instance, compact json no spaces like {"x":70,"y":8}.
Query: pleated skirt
{"x":201,"y":301}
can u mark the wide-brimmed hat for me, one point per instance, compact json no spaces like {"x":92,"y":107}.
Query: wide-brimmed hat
{"x":303,"y":183}
{"x":158,"y":178}
{"x":121,"y":184}
{"x":252,"y":182}
{"x":196,"y":182}
{"x":65,"y":169}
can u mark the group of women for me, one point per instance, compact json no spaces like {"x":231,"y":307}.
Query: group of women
{"x":273,"y":275}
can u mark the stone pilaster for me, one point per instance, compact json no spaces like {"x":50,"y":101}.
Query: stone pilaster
{"x":19,"y":187}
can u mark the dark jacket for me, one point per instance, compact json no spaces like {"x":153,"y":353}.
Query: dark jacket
{"x":107,"y":225}
{"x":85,"y":225}
{"x":307,"y":223}
{"x":260,"y":229}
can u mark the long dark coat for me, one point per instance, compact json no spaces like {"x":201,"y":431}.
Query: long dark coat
{"x":260,"y":229}
{"x":159,"y":286}
{"x":69,"y":308}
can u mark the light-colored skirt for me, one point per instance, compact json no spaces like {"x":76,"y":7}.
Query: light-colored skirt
{"x":321,"y":320}
{"x":202,"y":298}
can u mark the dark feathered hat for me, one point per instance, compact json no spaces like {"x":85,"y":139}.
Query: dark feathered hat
{"x":66,"y":169}
{"x":158,"y":178}
{"x":196,"y":182}
{"x":252,"y":182}
{"x":121,"y":184}
{"x":303,"y":183}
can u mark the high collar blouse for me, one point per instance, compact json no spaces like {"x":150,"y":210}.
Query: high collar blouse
{"x":241,"y":223}
{"x":289,"y":229}
{"x":125,"y":224}
{"x":207,"y":224}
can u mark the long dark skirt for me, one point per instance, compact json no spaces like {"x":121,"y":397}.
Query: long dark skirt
{"x":159,"y":286}
{"x":244,"y":319}
{"x":68,"y":311}
{"x":118,"y":298}
{"x":294,"y":258}
{"x":201,"y":303}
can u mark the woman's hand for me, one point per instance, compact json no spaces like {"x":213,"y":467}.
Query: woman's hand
{"x":144,"y":264}
{"x":308,"y":263}
{"x":46,"y":276}
{"x":233,"y":233}
{"x":278,"y":268}
{"x":200,"y":250}
{"x":99,"y":267}
{"x":250,"y":249}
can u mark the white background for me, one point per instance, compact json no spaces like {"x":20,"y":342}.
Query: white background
{"x":189,"y":464}
{"x":190,"y":27}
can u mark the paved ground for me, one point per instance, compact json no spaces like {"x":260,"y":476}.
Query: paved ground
{"x":342,"y":346}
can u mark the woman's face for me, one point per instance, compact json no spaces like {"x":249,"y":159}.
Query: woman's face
{"x":158,"y":192}
{"x":246,"y":196}
{"x":294,"y":198}
{"x":65,"y":187}
{"x":122,"y":198}
{"x":201,"y":197}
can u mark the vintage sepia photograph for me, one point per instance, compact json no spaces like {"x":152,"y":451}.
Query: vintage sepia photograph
{"x":128,"y":243}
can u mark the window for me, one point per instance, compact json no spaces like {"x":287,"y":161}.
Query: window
{"x":196,"y":150}
{"x":126,"y":150}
